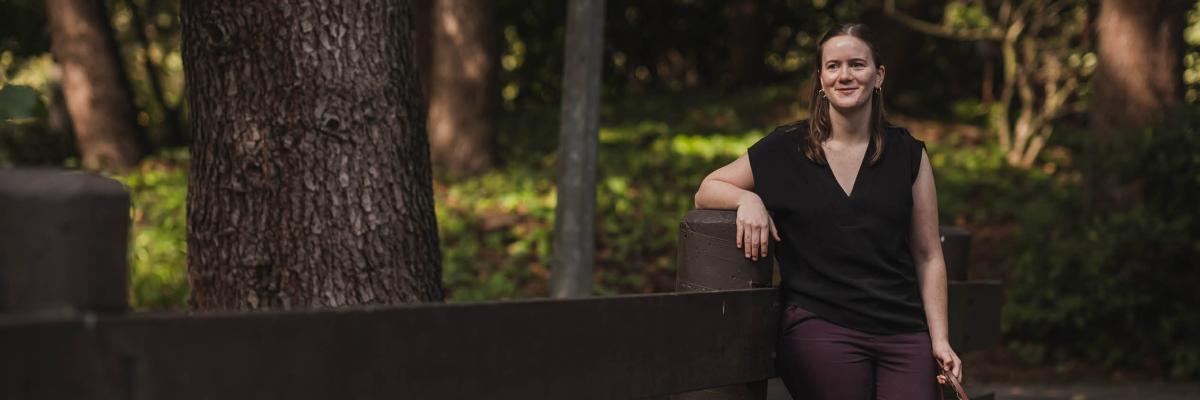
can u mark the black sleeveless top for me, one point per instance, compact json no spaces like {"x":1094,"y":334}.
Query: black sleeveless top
{"x":844,"y":258}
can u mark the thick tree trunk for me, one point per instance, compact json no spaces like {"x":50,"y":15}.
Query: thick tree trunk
{"x":94,"y":84}
{"x":463,"y":96}
{"x":1140,"y":62}
{"x":310,"y":184}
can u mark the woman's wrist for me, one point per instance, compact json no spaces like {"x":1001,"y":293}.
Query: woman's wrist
{"x":748,"y":197}
{"x":941,"y":343}
{"x":939,"y":339}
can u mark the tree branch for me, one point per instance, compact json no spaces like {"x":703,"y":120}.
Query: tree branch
{"x":889,"y":9}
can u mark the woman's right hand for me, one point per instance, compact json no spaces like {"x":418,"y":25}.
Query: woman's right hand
{"x":754,"y":226}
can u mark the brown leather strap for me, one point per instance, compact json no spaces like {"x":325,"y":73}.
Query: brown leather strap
{"x":953,"y":383}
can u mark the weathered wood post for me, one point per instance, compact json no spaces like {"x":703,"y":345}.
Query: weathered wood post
{"x":956,"y":244}
{"x":709,"y":260}
{"x":63,"y":238}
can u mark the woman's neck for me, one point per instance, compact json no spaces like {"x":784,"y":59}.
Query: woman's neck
{"x":853,"y":126}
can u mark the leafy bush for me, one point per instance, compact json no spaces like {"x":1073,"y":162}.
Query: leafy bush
{"x":158,"y":240}
{"x":1105,"y":268}
{"x":496,"y":229}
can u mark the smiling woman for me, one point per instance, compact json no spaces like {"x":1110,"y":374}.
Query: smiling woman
{"x":851,"y":199}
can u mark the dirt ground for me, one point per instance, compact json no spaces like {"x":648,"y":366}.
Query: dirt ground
{"x":996,"y":373}
{"x":1050,"y":391}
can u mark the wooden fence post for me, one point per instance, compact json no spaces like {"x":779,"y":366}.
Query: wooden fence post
{"x":956,"y":245}
{"x":709,"y":260}
{"x":63,"y":238}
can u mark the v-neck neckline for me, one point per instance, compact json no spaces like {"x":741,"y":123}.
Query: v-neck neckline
{"x":854,"y":186}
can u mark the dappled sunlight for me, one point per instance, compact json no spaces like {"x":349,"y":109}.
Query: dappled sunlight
{"x":715,"y":147}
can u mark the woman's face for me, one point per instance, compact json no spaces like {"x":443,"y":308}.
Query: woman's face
{"x":848,"y":73}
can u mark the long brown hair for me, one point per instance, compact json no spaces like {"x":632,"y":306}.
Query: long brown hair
{"x":819,"y":127}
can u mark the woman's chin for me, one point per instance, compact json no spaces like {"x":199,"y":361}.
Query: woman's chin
{"x":849,"y":105}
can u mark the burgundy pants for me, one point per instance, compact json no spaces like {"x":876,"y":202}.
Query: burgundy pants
{"x":818,"y":360}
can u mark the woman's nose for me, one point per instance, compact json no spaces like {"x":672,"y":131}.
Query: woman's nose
{"x":844,"y":75}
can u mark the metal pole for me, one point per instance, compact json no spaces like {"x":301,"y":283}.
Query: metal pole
{"x":574,"y":222}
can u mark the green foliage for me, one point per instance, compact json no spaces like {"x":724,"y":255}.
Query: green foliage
{"x":17,"y":101}
{"x":1105,"y":268}
{"x":978,"y":188}
{"x":27,"y":134}
{"x":496,"y":229}
{"x":960,"y":15}
{"x":1191,"y":57}
{"x":671,"y":45}
{"x":158,"y":239}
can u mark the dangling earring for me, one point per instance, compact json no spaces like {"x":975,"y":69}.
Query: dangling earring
{"x":878,"y":90}
{"x":821,"y":92}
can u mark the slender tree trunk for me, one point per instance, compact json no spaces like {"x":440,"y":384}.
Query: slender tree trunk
{"x":579,"y":126}
{"x":1140,"y":62}
{"x":310,"y":184}
{"x":94,"y":84}
{"x":463,"y":96}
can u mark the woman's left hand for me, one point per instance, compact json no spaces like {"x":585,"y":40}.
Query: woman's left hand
{"x":944,"y":355}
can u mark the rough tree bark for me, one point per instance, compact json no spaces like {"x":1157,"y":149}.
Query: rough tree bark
{"x":310,"y":183}
{"x":94,"y":85}
{"x":1139,"y":59}
{"x":463,"y":96}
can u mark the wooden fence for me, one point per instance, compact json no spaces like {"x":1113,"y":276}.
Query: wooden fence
{"x":66,"y":333}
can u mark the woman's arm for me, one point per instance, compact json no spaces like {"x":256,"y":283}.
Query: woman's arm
{"x":727,"y":187}
{"x":926,"y":248}
{"x":730,"y":188}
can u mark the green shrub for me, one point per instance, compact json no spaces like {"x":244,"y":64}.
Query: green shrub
{"x":158,"y":239}
{"x":1105,"y":268}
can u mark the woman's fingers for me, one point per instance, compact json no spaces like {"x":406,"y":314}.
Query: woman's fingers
{"x":752,"y":242}
{"x":753,"y":237}
{"x":739,"y":233}
{"x":763,"y":240}
{"x":957,"y":367}
{"x":745,"y":237}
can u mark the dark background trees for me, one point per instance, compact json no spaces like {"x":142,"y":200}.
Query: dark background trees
{"x":1132,"y":87}
{"x":95,"y":85}
{"x":689,"y":84}
{"x":463,"y":42}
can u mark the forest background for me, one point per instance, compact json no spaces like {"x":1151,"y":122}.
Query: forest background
{"x":1092,"y":223}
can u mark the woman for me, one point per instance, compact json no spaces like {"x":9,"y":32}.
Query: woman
{"x":851,"y":201}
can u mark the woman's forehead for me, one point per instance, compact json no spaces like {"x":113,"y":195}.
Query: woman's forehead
{"x":845,"y":47}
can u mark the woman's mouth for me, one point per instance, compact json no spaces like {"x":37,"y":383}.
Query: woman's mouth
{"x":846,"y":90}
